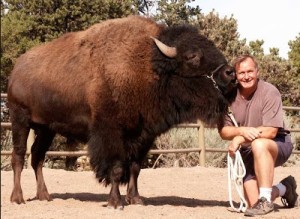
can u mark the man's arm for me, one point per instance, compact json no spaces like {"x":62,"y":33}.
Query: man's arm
{"x":267,"y":132}
{"x":240,"y":135}
{"x":249,"y":133}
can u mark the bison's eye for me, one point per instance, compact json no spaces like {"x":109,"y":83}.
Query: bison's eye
{"x":193,"y":58}
{"x":190,"y":56}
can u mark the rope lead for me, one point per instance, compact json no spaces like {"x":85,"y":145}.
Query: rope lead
{"x":236,"y":173}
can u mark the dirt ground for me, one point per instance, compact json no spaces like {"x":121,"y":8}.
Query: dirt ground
{"x":197,"y":192}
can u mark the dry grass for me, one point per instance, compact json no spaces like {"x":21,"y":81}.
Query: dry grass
{"x":188,"y":138}
{"x":174,"y":139}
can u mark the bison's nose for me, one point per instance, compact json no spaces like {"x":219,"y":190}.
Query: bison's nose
{"x":230,"y":72}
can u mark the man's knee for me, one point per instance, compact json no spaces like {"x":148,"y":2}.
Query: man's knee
{"x":259,"y":146}
{"x":262,"y":145}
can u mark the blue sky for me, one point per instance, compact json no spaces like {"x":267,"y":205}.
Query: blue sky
{"x":276,"y":22}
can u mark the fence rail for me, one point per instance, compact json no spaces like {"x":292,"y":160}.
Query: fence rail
{"x":202,"y":149}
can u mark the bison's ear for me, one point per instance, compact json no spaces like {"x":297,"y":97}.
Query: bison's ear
{"x":193,"y":58}
{"x":169,"y":51}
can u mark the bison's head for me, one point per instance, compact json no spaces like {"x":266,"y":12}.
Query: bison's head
{"x":191,"y":55}
{"x":195,"y":74}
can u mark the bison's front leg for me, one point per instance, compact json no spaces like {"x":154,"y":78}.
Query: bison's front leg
{"x":114,"y":200}
{"x":133,"y":196}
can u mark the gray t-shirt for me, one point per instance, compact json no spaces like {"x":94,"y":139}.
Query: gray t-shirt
{"x":264,"y":108}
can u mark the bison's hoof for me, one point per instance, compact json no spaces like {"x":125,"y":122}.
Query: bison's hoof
{"x":116,"y":207}
{"x":17,"y":198}
{"x":115,"y":204}
{"x":43,"y":196}
{"x":134,"y":201}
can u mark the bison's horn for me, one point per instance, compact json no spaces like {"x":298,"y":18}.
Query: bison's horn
{"x":169,"y":51}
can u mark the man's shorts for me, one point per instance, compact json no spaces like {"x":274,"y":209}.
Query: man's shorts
{"x":285,"y":148}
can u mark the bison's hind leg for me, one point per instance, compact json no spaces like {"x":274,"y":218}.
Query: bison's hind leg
{"x":19,"y":117}
{"x":43,"y":140}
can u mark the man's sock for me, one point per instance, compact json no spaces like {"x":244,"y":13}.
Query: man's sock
{"x":265,"y":192}
{"x":281,"y":188}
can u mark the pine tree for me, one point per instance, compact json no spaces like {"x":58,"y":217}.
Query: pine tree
{"x":294,"y":54}
{"x":30,"y":22}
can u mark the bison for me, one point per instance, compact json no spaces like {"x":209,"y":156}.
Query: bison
{"x":115,"y":86}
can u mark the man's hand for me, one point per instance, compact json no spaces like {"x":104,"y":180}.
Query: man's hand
{"x":235,"y":144}
{"x":250,"y":133}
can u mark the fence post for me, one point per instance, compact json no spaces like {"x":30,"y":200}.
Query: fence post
{"x":30,"y":141}
{"x":201,"y":144}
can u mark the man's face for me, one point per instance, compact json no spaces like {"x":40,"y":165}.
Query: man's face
{"x":247,"y":74}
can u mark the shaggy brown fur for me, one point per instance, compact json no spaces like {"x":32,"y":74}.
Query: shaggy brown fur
{"x":112,"y":87}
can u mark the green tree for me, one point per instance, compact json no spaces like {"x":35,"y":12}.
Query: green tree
{"x":294,"y":57}
{"x":282,"y":74}
{"x":145,"y":6}
{"x":256,"y":48}
{"x":31,"y":22}
{"x":223,"y":32}
{"x":175,"y":11}
{"x":294,"y":54}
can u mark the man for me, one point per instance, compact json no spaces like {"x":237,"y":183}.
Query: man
{"x":261,"y":134}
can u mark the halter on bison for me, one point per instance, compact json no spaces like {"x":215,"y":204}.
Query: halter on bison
{"x":116,"y":86}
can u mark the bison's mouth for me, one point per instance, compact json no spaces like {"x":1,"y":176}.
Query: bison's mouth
{"x":230,"y":87}
{"x":224,"y":79}
{"x":234,"y":82}
{"x":229,"y":91}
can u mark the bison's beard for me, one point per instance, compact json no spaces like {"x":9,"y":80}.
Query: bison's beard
{"x":196,"y":100}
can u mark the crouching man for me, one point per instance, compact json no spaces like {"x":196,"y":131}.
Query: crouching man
{"x":265,"y":143}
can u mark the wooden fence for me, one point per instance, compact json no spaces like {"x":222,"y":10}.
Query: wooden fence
{"x":202,"y":149}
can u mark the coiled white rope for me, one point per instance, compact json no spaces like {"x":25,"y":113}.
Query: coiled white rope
{"x":236,"y":173}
